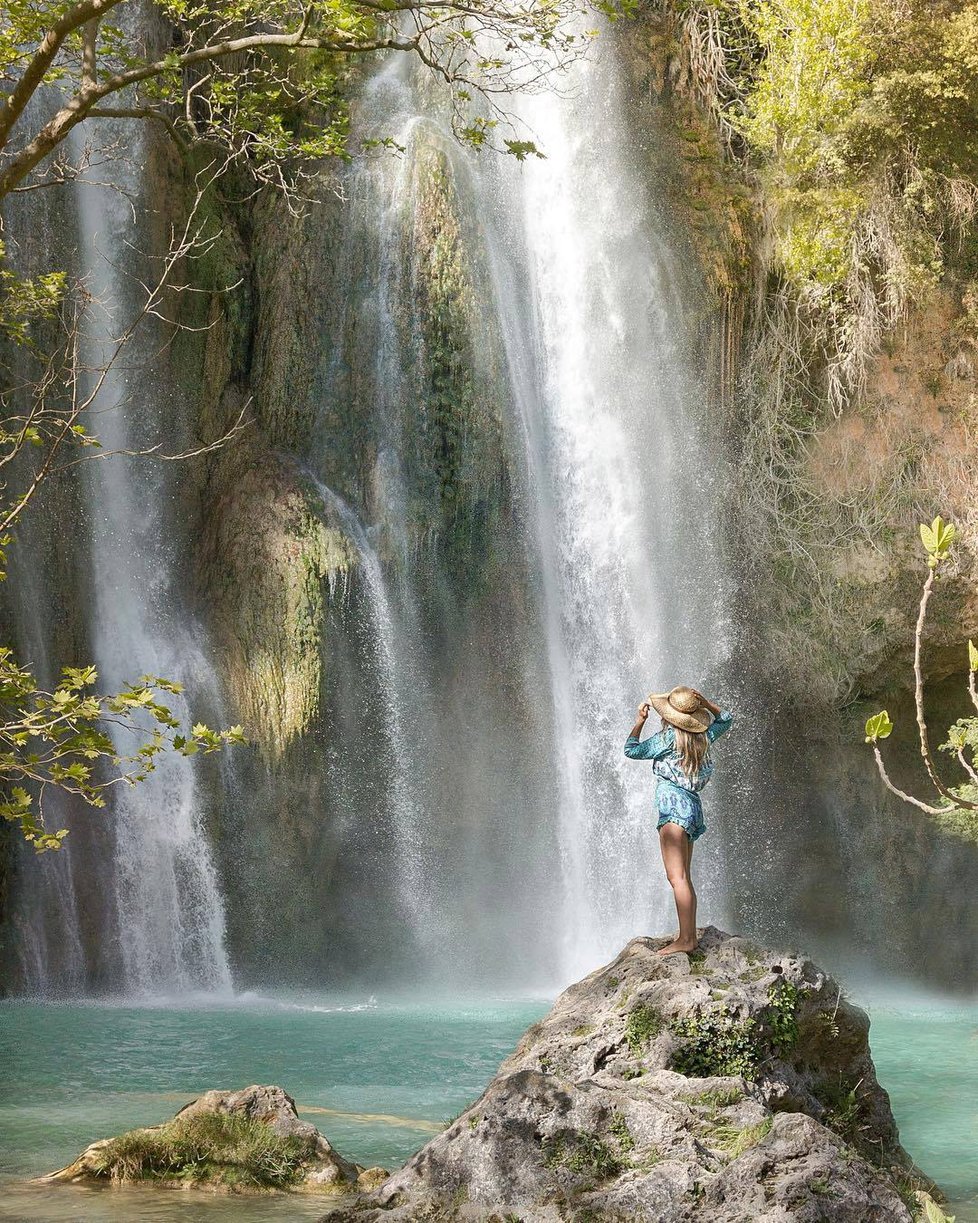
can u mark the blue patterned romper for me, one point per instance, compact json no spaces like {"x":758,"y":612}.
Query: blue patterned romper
{"x":676,"y":795}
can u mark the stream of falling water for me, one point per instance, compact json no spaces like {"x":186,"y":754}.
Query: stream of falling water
{"x":166,"y":899}
{"x":586,"y":296}
{"x":593,"y":318}
{"x":382,"y":639}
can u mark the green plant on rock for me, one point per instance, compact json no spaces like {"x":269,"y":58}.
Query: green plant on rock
{"x":214,"y":1148}
{"x":622,"y":1134}
{"x":782,"y":1014}
{"x":938,"y":539}
{"x":715,"y":1043}
{"x":644,"y":1023}
{"x":584,"y":1154}
{"x":716,"y":1098}
{"x":843,"y":1108}
{"x":734,"y":1140}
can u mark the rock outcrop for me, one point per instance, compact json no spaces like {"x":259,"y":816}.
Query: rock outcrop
{"x":252,"y":1138}
{"x":734,"y":1085}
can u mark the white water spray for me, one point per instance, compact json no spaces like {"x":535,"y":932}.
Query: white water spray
{"x":169,"y":912}
{"x":622,"y":515}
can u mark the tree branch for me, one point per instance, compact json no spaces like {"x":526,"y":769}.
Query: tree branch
{"x":139,"y":112}
{"x":15,"y":102}
{"x":907,"y":798}
{"x":918,"y":691}
{"x":80,"y":106}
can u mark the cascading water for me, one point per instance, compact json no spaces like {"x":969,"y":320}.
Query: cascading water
{"x":170,"y":920}
{"x":506,"y":645}
{"x":584,"y":295}
{"x":621,"y":493}
{"x":381,"y":636}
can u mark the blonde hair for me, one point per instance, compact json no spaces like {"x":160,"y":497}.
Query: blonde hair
{"x":691,"y":748}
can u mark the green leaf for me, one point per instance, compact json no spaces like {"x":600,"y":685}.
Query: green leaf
{"x":937,"y":539}
{"x":972,"y":656}
{"x":878,"y":726}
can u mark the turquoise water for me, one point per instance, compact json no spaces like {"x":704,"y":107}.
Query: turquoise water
{"x":387,"y":1074}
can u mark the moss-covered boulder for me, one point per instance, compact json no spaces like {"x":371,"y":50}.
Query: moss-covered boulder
{"x":734,"y":1085}
{"x":235,"y":1140}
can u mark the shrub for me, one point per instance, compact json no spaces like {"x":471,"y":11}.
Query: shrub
{"x":715,"y":1043}
{"x":643,"y":1024}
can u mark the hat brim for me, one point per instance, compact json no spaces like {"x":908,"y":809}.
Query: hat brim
{"x":697,"y":722}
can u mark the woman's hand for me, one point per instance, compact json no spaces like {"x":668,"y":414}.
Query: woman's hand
{"x":706,"y":703}
{"x":643,"y":711}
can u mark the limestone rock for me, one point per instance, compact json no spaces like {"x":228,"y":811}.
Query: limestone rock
{"x":734,"y":1085}
{"x":321,"y":1166}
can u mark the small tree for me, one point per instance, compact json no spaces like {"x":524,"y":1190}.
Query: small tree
{"x":962,"y":740}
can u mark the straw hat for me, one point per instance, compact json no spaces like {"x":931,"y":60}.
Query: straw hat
{"x":681,"y":707}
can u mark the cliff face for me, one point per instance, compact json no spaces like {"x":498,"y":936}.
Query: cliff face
{"x":841,"y":448}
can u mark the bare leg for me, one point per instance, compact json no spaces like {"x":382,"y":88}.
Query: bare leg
{"x":689,"y":875}
{"x":676,"y":850}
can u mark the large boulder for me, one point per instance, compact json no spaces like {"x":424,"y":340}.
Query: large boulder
{"x":733,"y":1085}
{"x":247,"y":1139}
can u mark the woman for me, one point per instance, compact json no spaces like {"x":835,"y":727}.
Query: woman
{"x":680,"y":756}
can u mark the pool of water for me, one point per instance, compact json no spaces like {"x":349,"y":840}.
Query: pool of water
{"x":378,"y":1078}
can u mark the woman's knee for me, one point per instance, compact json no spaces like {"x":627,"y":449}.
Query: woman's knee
{"x":678,"y":876}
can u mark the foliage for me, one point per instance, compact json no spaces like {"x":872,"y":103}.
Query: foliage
{"x":716,"y":1042}
{"x":263,"y":81}
{"x":216,"y":1148}
{"x":937,"y":540}
{"x":781,"y":1016}
{"x":840,"y":1100}
{"x":622,"y":1134}
{"x":643,"y":1024}
{"x":852,"y":125}
{"x":24,"y":302}
{"x":962,"y":740}
{"x":734,"y":1140}
{"x":715,"y":1098}
{"x":879,"y":726}
{"x":932,"y":1212}
{"x":584,"y":1154}
{"x":59,"y":738}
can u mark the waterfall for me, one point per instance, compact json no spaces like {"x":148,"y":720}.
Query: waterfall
{"x":616,"y":519}
{"x":380,"y":636}
{"x":622,"y":494}
{"x":165,"y":891}
{"x":506,"y":650}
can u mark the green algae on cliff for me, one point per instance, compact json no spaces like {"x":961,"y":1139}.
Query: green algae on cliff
{"x":271,"y":564}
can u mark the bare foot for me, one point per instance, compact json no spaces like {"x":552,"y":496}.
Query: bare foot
{"x":676,"y":947}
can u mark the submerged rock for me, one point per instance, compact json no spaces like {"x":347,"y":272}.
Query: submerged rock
{"x":249,"y":1139}
{"x":733,"y":1085}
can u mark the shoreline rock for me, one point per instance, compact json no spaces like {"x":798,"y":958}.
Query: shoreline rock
{"x":733,"y":1085}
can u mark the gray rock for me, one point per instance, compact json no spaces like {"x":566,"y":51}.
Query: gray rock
{"x":734,"y":1085}
{"x":322,"y":1167}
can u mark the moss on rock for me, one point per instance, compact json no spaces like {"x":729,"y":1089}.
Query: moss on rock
{"x":271,"y":562}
